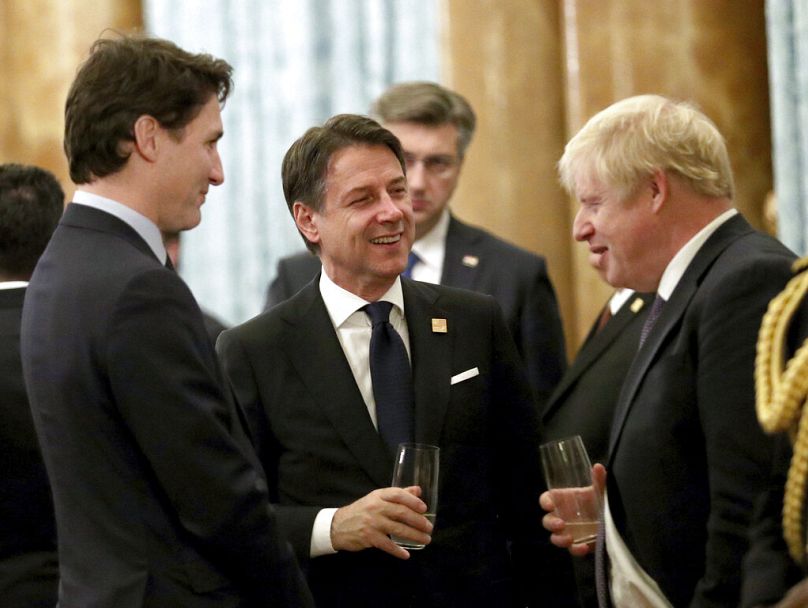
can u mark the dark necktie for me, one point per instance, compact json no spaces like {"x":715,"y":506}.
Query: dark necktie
{"x":168,"y":263}
{"x":391,"y":377}
{"x":605,"y":316}
{"x":651,"y":319}
{"x":412,"y":260}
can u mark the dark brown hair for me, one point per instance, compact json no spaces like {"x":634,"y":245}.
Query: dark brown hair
{"x":429,"y":104}
{"x":305,"y":164}
{"x":31,"y":203}
{"x":128,"y":77}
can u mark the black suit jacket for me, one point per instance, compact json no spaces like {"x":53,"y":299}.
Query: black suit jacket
{"x":320,"y":449}
{"x":29,"y":572}
{"x":479,"y":261}
{"x":687,"y":458}
{"x":583,"y":404}
{"x":158,"y":501}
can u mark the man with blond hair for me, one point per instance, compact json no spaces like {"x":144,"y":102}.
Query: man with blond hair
{"x":686,"y":457}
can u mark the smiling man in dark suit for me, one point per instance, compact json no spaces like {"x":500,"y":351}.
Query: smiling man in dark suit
{"x":305,"y":372}
{"x":686,"y":457}
{"x":158,"y":495}
{"x":31,"y":203}
{"x":435,"y":126}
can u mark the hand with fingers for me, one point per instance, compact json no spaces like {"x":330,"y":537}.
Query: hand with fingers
{"x":369,"y":521}
{"x":557,"y":526}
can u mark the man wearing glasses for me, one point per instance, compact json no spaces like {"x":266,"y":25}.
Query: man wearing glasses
{"x":435,"y":126}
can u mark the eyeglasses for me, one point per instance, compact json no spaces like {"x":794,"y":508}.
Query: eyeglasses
{"x":439,"y":165}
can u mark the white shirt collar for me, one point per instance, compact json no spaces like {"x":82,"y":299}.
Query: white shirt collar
{"x":147,"y":229}
{"x":13,"y":284}
{"x":341,"y":303}
{"x":619,"y":298}
{"x":678,"y":265}
{"x":431,"y":248}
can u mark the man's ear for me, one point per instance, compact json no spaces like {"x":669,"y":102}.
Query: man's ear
{"x":147,"y":131}
{"x":660,"y":189}
{"x":306,"y":220}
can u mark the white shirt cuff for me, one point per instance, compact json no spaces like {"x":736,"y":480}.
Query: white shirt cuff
{"x":321,"y":533}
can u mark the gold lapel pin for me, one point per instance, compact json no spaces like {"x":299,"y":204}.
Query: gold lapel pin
{"x":439,"y":326}
{"x":637,"y":305}
{"x":471,"y":261}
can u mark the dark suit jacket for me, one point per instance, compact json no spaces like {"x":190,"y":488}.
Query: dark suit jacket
{"x":320,"y":449}
{"x":29,"y":572}
{"x":687,"y":458}
{"x":583,"y":404}
{"x":158,"y":501}
{"x":516,"y":278}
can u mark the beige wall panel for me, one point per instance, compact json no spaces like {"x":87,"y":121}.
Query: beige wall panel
{"x":713,"y":53}
{"x":42,"y":43}
{"x":505,"y":57}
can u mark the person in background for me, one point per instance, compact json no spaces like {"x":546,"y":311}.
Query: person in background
{"x":686,"y":458}
{"x":31,"y":203}
{"x":158,"y":495}
{"x":213,"y":326}
{"x":435,"y":126}
{"x":361,"y":360}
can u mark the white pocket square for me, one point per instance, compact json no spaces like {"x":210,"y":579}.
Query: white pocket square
{"x":469,"y":373}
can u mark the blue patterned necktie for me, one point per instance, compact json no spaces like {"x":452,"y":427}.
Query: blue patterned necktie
{"x":412,"y":260}
{"x":391,"y":377}
{"x":651,"y":319}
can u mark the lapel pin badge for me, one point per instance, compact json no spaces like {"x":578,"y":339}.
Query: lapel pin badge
{"x":439,"y":326}
{"x":637,"y":305}
{"x":471,"y":261}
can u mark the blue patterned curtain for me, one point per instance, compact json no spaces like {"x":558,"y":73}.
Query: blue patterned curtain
{"x":296,"y":62}
{"x":787,"y":29}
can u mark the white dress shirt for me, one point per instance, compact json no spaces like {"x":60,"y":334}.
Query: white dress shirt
{"x":353,"y":329}
{"x":431,"y":251}
{"x":630,"y":585}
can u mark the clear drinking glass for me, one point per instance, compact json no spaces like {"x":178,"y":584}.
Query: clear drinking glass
{"x":417,"y":464}
{"x":568,"y":474}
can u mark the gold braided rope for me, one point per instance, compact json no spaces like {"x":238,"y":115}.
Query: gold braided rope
{"x":780,"y":396}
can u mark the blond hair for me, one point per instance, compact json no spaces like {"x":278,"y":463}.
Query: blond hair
{"x":625,"y":143}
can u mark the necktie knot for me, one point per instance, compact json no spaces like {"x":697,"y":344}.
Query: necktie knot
{"x":379,"y":312}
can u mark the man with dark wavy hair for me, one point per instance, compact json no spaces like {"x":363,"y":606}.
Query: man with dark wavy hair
{"x":362,"y":359}
{"x":158,"y":495}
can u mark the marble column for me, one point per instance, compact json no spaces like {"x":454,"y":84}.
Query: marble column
{"x":42,"y":43}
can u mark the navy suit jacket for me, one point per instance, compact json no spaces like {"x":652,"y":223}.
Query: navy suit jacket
{"x":29,"y":572}
{"x":479,"y":261}
{"x":158,"y":496}
{"x":320,"y":448}
{"x":687,"y":458}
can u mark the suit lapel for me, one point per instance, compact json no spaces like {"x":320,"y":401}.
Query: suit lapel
{"x":431,"y":358}
{"x":318,"y":358}
{"x":593,"y":348}
{"x":671,"y":314}
{"x":462,"y":257}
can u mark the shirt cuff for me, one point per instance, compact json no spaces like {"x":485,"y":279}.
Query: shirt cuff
{"x":321,"y":534}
